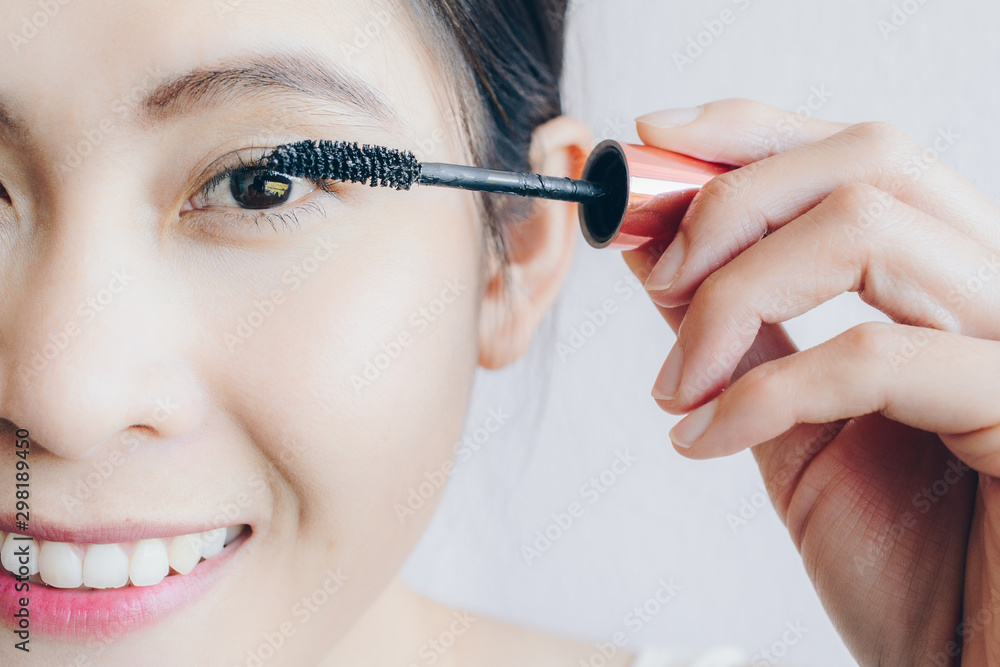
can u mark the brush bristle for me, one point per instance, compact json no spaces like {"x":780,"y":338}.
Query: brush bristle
{"x":376,"y":166}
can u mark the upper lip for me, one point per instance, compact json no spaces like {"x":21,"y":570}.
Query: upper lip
{"x":126,"y":530}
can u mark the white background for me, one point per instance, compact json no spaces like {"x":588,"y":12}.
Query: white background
{"x":667,"y":517}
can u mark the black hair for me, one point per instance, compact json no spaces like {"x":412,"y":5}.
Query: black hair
{"x":506,"y":61}
{"x":506,"y":66}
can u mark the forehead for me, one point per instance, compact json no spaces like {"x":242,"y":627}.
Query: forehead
{"x":73,"y":62}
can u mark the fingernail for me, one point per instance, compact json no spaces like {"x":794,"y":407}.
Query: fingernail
{"x":692,"y":427}
{"x":670,"y":117}
{"x":663,"y":275}
{"x":669,"y":380}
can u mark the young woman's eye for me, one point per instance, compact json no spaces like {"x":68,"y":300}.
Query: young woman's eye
{"x":252,"y":188}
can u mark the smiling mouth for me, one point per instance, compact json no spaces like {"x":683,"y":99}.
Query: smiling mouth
{"x":81,"y":567}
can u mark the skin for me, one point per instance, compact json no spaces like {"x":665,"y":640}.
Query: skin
{"x":879,"y":447}
{"x":271,"y":425}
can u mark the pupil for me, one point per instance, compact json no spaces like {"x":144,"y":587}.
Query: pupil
{"x":260,"y":189}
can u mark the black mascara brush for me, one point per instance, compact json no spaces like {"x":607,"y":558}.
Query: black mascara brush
{"x":615,"y":178}
{"x":379,"y":166}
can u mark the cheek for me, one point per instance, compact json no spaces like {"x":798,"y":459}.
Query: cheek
{"x":356,"y":386}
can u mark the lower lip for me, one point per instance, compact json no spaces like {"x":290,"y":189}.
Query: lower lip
{"x":72,"y":615}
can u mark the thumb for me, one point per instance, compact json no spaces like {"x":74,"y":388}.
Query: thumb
{"x":734,"y":131}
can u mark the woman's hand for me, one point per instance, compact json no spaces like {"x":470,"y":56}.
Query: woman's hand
{"x":880,"y":447}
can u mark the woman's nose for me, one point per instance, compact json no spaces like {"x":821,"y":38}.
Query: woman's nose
{"x":93,"y":343}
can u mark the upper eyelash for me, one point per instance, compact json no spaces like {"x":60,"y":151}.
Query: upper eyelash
{"x":226,"y":171}
{"x":288,"y":219}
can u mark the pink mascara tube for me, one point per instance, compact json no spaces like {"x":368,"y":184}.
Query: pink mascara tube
{"x":649,"y":190}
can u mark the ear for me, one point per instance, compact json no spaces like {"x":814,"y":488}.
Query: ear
{"x":540,"y":250}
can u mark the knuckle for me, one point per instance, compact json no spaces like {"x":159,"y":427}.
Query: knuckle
{"x":887,"y":149}
{"x":765,"y":383}
{"x":714,"y":289}
{"x":879,"y":134}
{"x":888,"y":146}
{"x":861,"y":210}
{"x":855,"y":197}
{"x":721,"y":299}
{"x":743,"y":107}
{"x":756,"y":126}
{"x":870,"y":340}
{"x":865,"y":213}
{"x":726,"y":188}
{"x":732,"y":196}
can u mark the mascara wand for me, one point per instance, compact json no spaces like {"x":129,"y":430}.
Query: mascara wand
{"x":509,"y":182}
{"x":386,"y":167}
{"x":617,"y":179}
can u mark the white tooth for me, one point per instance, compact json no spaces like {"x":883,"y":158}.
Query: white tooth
{"x":212,"y":542}
{"x":105,"y":566}
{"x":60,"y":564}
{"x":8,"y":556}
{"x":185,"y":552}
{"x":149,"y":563}
{"x":232,"y":532}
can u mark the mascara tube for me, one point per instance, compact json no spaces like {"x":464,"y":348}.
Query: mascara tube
{"x":648,"y":190}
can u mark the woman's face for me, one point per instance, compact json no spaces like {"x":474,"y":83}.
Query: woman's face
{"x":184,"y":364}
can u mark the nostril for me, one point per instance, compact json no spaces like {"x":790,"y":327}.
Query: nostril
{"x":4,"y":196}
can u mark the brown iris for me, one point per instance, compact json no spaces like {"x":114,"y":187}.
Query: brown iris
{"x":256,"y":189}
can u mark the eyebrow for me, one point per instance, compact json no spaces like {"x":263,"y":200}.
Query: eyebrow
{"x":305,"y":75}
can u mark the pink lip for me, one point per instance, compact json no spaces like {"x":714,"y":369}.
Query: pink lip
{"x":83,"y":615}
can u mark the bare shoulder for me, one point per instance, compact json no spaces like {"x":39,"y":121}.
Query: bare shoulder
{"x":476,"y":639}
{"x":501,"y":644}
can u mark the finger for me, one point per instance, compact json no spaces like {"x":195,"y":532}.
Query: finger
{"x":736,"y":209}
{"x":641,"y":261}
{"x":771,"y":342}
{"x":733,"y":131}
{"x":782,"y":463}
{"x":931,"y":380}
{"x":908,"y":265}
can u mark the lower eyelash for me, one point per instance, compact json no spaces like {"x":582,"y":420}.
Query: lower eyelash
{"x":288,"y":219}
